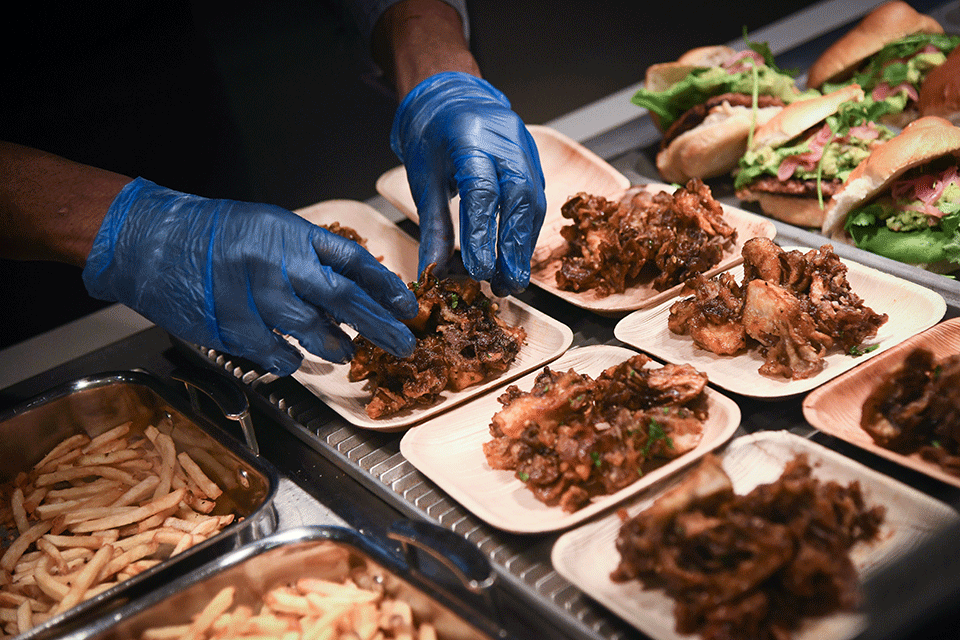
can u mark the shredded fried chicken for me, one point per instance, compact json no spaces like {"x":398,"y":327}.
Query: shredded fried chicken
{"x":571,"y":438}
{"x":461,"y":341}
{"x":794,"y":306}
{"x":666,"y":237}
{"x":749,"y":566}
{"x":916,"y":409}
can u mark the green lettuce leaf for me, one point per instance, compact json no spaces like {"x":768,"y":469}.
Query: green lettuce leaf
{"x":934,"y":244}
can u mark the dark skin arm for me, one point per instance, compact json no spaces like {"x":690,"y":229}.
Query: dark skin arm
{"x":416,"y":39}
{"x":51,"y":208}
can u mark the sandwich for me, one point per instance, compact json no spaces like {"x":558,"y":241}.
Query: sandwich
{"x":707,"y":102}
{"x":903,"y":201}
{"x":889,"y":54}
{"x":940,"y":91}
{"x":798,"y":160}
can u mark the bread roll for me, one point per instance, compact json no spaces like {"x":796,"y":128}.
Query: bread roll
{"x":714,"y":147}
{"x":940,"y":91}
{"x":885,"y":24}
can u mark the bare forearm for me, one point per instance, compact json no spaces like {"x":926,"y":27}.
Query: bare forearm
{"x":416,"y":39}
{"x":51,"y":208}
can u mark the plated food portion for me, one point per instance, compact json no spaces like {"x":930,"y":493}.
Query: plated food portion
{"x":596,"y":425}
{"x":468,"y":340}
{"x":793,"y":306}
{"x":630,"y":250}
{"x":778,"y":521}
{"x":791,"y":354}
{"x":461,"y":342}
{"x":571,"y":438}
{"x":901,"y":406}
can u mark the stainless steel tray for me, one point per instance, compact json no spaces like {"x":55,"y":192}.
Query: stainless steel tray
{"x":92,"y":404}
{"x":330,"y":553}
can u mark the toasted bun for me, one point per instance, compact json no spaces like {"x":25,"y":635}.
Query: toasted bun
{"x":801,"y":211}
{"x":712,"y":148}
{"x":883,"y":25}
{"x":920,"y":142}
{"x":663,"y":75}
{"x":940,"y":91}
{"x":799,"y":116}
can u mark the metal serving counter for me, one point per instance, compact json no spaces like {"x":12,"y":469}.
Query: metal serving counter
{"x":335,"y":473}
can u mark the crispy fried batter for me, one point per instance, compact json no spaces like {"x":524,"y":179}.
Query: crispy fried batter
{"x":461,"y":341}
{"x":571,"y":438}
{"x":666,"y":237}
{"x":916,"y":409}
{"x":749,"y":566}
{"x":794,"y":306}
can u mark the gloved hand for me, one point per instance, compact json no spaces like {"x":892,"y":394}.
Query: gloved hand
{"x":225,"y":274}
{"x":456,"y":133}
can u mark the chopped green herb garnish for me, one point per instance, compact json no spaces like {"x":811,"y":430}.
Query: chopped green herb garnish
{"x":857,"y":351}
{"x":596,"y":458}
{"x":523,"y":476}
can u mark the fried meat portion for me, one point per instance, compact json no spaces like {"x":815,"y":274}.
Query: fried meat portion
{"x":793,"y":306}
{"x":613,"y":245}
{"x":461,"y":341}
{"x":749,"y":566}
{"x":916,"y":409}
{"x":571,"y":437}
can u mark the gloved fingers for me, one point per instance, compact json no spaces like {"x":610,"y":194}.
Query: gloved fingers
{"x":255,"y":341}
{"x":319,"y":335}
{"x":522,"y":209}
{"x":479,"y":199}
{"x":344,"y":301}
{"x":356,"y":264}
{"x":436,"y":226}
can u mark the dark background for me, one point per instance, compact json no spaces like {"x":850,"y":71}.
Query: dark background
{"x":272,"y":101}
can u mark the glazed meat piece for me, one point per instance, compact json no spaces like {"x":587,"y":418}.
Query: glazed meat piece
{"x":749,"y":566}
{"x":571,"y":437}
{"x":916,"y":409}
{"x":775,"y":318}
{"x":712,"y":316}
{"x":666,"y":238}
{"x":793,"y":306}
{"x":461,"y":341}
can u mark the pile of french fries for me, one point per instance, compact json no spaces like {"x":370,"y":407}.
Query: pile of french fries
{"x":96,"y":511}
{"x":310,"y":608}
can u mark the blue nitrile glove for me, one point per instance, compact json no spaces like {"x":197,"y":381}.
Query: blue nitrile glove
{"x":456,"y":133}
{"x":225,"y":274}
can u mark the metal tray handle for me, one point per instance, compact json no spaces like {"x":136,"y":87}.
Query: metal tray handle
{"x":227,"y":395}
{"x":452,"y":551}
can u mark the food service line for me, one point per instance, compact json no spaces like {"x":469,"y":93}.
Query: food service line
{"x":523,"y":562}
{"x":346,"y":475}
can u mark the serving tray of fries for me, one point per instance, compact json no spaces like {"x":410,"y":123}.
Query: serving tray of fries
{"x":109,"y":484}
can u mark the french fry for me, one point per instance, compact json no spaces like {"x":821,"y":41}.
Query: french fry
{"x":19,"y":512}
{"x":309,"y":608}
{"x":193,"y":470}
{"x":220,"y":603}
{"x":105,"y":437}
{"x":20,"y":545}
{"x":139,"y":513}
{"x":85,"y":578}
